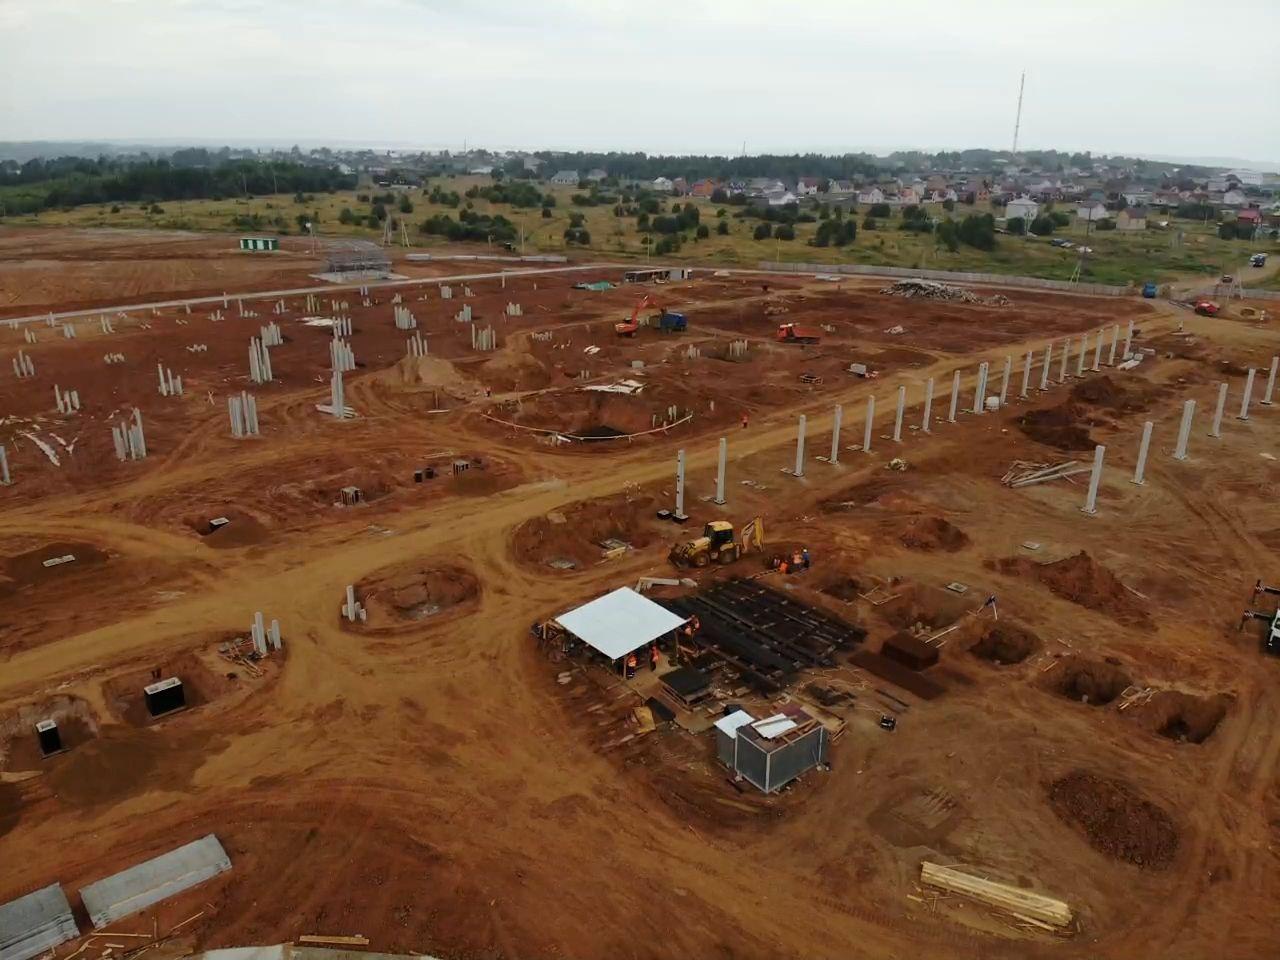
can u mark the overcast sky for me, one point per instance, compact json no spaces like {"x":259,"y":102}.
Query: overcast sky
{"x":1139,"y":77}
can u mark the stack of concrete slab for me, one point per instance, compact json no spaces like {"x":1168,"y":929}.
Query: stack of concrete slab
{"x":35,"y":923}
{"x":137,"y":888}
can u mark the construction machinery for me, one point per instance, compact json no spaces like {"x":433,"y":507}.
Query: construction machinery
{"x":665,"y":320}
{"x":718,"y":543}
{"x":1271,"y":638}
{"x":798,"y":333}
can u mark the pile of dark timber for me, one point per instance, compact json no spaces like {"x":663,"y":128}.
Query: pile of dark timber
{"x":767,"y":635}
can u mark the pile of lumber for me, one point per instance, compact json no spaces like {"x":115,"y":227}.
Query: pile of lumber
{"x":1034,"y":908}
{"x":1024,"y":473}
{"x":936,"y":290}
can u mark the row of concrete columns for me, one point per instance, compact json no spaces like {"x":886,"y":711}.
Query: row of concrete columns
{"x":243,"y":411}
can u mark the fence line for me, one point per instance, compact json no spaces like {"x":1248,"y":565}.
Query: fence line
{"x":995,"y":279}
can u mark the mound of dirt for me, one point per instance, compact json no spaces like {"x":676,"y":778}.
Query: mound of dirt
{"x":515,"y":371}
{"x":28,"y":568}
{"x":574,"y":538}
{"x":1064,"y":427}
{"x":1183,"y":717}
{"x":431,"y":372}
{"x":1005,"y":643}
{"x":1082,"y":580}
{"x":420,"y":592}
{"x":1115,"y":820}
{"x":934,"y":533}
{"x":1109,"y":394}
{"x":244,"y":530}
{"x":1094,"y":682}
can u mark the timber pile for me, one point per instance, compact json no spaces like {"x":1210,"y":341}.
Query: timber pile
{"x":1025,"y":473}
{"x":936,"y":290}
{"x":1023,"y":904}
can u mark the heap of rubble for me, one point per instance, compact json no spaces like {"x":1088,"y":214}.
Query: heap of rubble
{"x":935,"y":290}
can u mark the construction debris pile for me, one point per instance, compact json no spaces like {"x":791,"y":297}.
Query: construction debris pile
{"x":936,"y":290}
{"x":1025,"y":473}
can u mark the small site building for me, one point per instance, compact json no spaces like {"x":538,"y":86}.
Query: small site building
{"x":772,"y":752}
{"x":36,"y":923}
{"x":656,"y":274}
{"x":259,"y":243}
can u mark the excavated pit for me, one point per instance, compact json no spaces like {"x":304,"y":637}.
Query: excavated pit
{"x":1183,"y":717}
{"x":417,"y":593}
{"x":1005,"y":644}
{"x":579,"y":536}
{"x":933,"y":533}
{"x":1091,"y":682}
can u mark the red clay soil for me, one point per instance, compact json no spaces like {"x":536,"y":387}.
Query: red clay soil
{"x":575,"y":533}
{"x":1082,"y":580}
{"x":1182,"y":717}
{"x":1107,"y":393}
{"x":1115,"y":820}
{"x":1064,"y":427}
{"x":934,"y":533}
{"x":1092,"y":682}
{"x":1005,"y":643}
{"x":415,"y":593}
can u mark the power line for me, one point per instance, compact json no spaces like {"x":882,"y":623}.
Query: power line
{"x":1017,"y":123}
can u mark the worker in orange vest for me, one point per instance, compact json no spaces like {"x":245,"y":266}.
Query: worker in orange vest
{"x":632,"y":663}
{"x":744,"y":420}
{"x":653,"y":657}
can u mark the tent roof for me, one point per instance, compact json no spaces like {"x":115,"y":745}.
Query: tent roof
{"x":619,"y":622}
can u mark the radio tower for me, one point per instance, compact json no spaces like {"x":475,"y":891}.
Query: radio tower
{"x":1018,"y":119}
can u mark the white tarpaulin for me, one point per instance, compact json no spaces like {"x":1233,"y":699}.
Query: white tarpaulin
{"x":154,"y":880}
{"x":619,"y":622}
{"x":35,"y":923}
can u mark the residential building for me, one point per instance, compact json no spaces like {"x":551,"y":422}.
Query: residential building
{"x":841,"y":188}
{"x":1234,"y":198}
{"x":807,"y":186}
{"x":1092,"y":211}
{"x":1250,"y":217}
{"x":662,"y":185}
{"x":566,"y":178}
{"x":703,"y":188}
{"x":1132,"y":218}
{"x":679,"y":186}
{"x":1023,"y":207}
{"x":871,"y":195}
{"x":596,"y":175}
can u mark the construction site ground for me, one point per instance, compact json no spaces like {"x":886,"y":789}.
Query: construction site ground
{"x":423,"y":779}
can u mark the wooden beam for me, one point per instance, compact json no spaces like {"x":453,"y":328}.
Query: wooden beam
{"x":1017,"y":901}
{"x":356,"y":941}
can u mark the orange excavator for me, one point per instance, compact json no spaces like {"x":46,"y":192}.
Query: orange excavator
{"x":629,"y":328}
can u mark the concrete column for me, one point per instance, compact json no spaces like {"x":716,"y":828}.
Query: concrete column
{"x":1248,"y":393}
{"x":1097,"y":353}
{"x":955,"y":396}
{"x":1066,"y":353}
{"x":866,"y":433}
{"x":1084,"y":346}
{"x":1216,"y":430}
{"x":1091,"y":499}
{"x":980,"y":391}
{"x":724,"y":453}
{"x":1271,"y":381}
{"x":1128,"y":341}
{"x":1044,"y":371}
{"x":799,"y":470}
{"x":679,"y":484}
{"x":1184,"y":430}
{"x":1143,"y":446}
{"x":4,"y":467}
{"x":897,"y":418}
{"x":835,"y":434}
{"x":1115,"y":341}
{"x":928,"y":404}
{"x":1004,"y":379}
{"x":1026,"y":376}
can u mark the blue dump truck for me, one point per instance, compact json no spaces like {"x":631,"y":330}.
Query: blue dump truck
{"x":1149,"y":290}
{"x":669,"y":322}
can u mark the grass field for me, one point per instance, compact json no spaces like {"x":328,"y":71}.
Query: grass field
{"x":1117,"y":257}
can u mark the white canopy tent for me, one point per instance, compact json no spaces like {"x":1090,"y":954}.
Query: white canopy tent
{"x":620,"y":622}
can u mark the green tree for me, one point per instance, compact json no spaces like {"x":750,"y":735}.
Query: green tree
{"x":346,"y":217}
{"x":1016,"y":226}
{"x":703,"y":232}
{"x":881,"y":211}
{"x":762,"y":232}
{"x":947,"y":235}
{"x":405,"y":205}
{"x":722,"y":228}
{"x":869,"y":222}
{"x":718,"y":195}
{"x":1041,"y":226}
{"x":978,"y":230}
{"x":784,"y":231}
{"x":379,"y":211}
{"x":1226,"y":230}
{"x":948,"y":205}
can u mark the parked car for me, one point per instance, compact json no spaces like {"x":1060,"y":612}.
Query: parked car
{"x":1227,"y":278}
{"x":1258,"y":260}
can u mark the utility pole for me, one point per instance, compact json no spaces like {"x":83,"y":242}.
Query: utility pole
{"x":1017,"y":123}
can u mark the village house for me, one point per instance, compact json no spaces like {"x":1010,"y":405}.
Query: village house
{"x":871,"y":195}
{"x":566,"y":178}
{"x":662,"y":185}
{"x":1234,"y":198}
{"x":1091,"y":212}
{"x":596,"y":175}
{"x":1132,"y":218}
{"x":807,"y":186}
{"x":703,"y":188}
{"x":1023,"y":207}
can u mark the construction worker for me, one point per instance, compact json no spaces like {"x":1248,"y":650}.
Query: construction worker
{"x":782,"y":565}
{"x":797,"y":560}
{"x":804,"y":556}
{"x":632,"y":663}
{"x":653,"y":657}
{"x":745,"y":420}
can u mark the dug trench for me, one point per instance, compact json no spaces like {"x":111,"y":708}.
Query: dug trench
{"x":1005,"y":644}
{"x":1092,"y":682}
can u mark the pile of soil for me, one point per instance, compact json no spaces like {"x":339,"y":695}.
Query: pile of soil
{"x":420,"y":592}
{"x":1183,"y":717}
{"x":934,"y":533}
{"x":1115,"y":820}
{"x":244,"y":530}
{"x":1094,"y":682}
{"x":869,"y":491}
{"x":1109,"y":394}
{"x":28,"y":567}
{"x":576,"y":533}
{"x":1082,"y":580}
{"x":1064,"y":427}
{"x":1005,"y":643}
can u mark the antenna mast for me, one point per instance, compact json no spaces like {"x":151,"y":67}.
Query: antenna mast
{"x":1017,"y":123}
